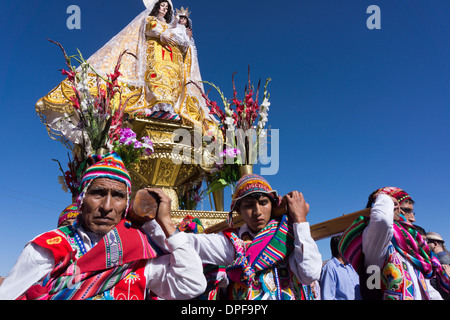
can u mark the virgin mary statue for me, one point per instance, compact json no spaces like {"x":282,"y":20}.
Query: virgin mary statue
{"x":153,"y":78}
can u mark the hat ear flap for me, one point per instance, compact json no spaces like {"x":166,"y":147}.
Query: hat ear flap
{"x":230,"y":219}
{"x":80,"y":197}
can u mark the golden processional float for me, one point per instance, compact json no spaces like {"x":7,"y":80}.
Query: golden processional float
{"x":141,"y":95}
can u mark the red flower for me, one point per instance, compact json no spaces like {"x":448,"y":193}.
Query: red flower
{"x":75,"y":100}
{"x":113,"y":80}
{"x":70,"y":74}
{"x":235,"y":118}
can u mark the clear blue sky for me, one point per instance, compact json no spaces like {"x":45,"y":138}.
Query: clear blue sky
{"x":357,"y":109}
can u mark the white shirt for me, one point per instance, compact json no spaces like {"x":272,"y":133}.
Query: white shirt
{"x":305,"y":262}
{"x":178,"y":275}
{"x":377,"y":237}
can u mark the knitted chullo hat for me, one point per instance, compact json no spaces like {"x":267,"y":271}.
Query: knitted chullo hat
{"x":252,"y":183}
{"x":248,"y":184}
{"x":70,"y":212}
{"x":394,"y":192}
{"x":108,"y":166}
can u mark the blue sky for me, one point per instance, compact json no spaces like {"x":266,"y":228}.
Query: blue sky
{"x":356,"y":109}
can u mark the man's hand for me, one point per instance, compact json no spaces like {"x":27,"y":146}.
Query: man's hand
{"x":163,"y":216}
{"x":297,"y":207}
{"x":396,"y":208}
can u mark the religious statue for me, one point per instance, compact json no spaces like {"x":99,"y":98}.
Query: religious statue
{"x":154,"y":76}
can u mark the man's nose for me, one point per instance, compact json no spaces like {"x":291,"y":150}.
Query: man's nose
{"x":106,"y":204}
{"x":257,"y":209}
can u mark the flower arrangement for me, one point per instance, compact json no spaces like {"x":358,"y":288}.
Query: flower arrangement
{"x":242,"y":124}
{"x":98,"y":119}
{"x":226,"y":171}
{"x":130,"y":149}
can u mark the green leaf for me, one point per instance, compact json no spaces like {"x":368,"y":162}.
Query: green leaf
{"x":217,"y":185}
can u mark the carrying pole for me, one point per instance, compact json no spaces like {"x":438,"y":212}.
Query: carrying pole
{"x":319,"y":231}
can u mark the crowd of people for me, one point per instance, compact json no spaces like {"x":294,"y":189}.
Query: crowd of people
{"x":99,"y":252}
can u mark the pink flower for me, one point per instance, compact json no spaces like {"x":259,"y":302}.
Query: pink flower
{"x":148,"y":145}
{"x":127,"y":136}
{"x":230,"y":152}
{"x":147,"y":141}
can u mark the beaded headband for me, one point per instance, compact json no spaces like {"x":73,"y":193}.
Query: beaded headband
{"x":394,"y":192}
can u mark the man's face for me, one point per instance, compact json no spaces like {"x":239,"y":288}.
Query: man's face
{"x":104,"y":205}
{"x":255,"y":212}
{"x":407,"y":210}
{"x":432,"y":245}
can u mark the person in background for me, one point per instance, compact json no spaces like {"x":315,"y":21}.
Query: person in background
{"x":436,"y":244}
{"x":68,"y":215}
{"x":338,"y":281}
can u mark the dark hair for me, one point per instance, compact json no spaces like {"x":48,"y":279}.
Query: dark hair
{"x":420,"y":230}
{"x":334,"y":243}
{"x":188,"y":23}
{"x":155,"y":10}
{"x":256,"y":196}
{"x":371,"y":199}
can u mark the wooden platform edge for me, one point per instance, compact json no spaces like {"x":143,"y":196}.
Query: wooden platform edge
{"x":336,"y":226}
{"x":319,"y":231}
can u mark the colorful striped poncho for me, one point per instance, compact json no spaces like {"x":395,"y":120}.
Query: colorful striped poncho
{"x":119,"y":258}
{"x":406,"y":241}
{"x":260,"y":269}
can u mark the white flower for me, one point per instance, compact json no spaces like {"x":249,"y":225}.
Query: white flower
{"x":62,"y":181}
{"x":229,"y":122}
{"x":262,"y":134}
{"x":265,"y":104}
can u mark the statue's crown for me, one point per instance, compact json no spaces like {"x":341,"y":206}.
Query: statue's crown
{"x":183,"y":12}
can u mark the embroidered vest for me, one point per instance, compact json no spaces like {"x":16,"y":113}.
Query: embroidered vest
{"x":261,"y":269}
{"x":66,"y":240}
